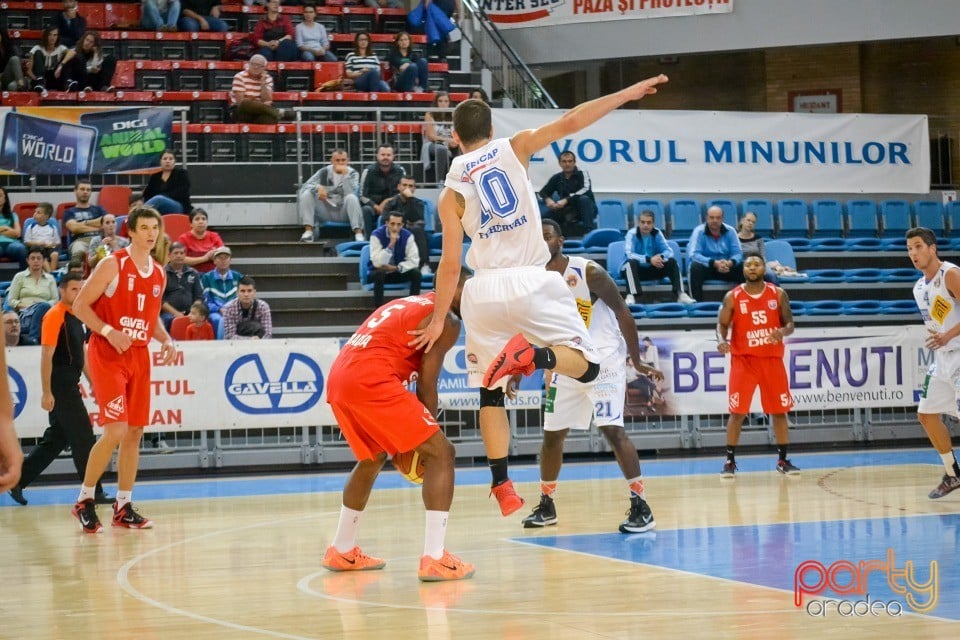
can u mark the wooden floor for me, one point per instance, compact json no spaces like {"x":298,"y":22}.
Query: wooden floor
{"x":248,"y":566}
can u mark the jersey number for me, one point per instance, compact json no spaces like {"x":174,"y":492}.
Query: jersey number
{"x":141,"y":300}
{"x":373,"y":322}
{"x":497,"y":194}
{"x":759,"y":317}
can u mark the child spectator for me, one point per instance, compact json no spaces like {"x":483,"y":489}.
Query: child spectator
{"x":199,"y":327}
{"x":44,"y":233}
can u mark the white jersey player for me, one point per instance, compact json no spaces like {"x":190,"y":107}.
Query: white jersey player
{"x":938,"y":295}
{"x":488,"y":195}
{"x":572,"y":404}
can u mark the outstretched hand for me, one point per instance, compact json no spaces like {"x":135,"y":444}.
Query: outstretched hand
{"x":646,"y":87}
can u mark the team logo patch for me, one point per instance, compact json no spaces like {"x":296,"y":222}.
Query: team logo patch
{"x":772,"y":304}
{"x":572,"y":280}
{"x":115,"y":409}
{"x":940,"y":309}
{"x":743,"y":307}
{"x":156,"y":291}
{"x":734,"y":400}
{"x":472,"y":357}
{"x":130,"y":281}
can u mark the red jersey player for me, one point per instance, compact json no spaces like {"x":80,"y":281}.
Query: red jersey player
{"x":759,"y":315}
{"x":120,"y":304}
{"x":367,"y":390}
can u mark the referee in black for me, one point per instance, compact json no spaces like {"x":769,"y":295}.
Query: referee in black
{"x":61,"y":364}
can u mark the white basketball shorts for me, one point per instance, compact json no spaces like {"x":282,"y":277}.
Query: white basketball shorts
{"x":571,"y":404}
{"x":941,"y":387}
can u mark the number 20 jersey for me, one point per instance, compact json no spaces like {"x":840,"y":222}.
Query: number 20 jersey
{"x":501,"y":214}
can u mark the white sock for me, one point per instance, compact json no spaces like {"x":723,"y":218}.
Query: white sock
{"x":86,"y":493}
{"x":435,"y":532}
{"x":346,"y":537}
{"x":948,"y":462}
{"x":636,"y":487}
{"x":123,"y":497}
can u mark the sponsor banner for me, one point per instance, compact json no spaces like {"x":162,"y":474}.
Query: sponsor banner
{"x":75,"y":141}
{"x":634,"y":151}
{"x":544,"y":13}
{"x":857,"y":367}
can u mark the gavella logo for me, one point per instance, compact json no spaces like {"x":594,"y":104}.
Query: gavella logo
{"x":845,"y":578}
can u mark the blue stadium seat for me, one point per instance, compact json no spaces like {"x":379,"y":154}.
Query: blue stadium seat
{"x":612,"y":214}
{"x":573,"y":247}
{"x":782,"y":252}
{"x":863,"y":221}
{"x":659,"y":218}
{"x":616,"y":253}
{"x":763,"y":209}
{"x":895,"y":218}
{"x":638,"y":311}
{"x":799,"y":244}
{"x":429,"y":216}
{"x":830,"y":244}
{"x":798,"y":307}
{"x":825,"y":276}
{"x":865,"y":244}
{"x":435,"y":241}
{"x":929,"y":214}
{"x":703,"y":309}
{"x":601,"y":238}
{"x":894,"y":244}
{"x":899,"y":307}
{"x":951,"y":213}
{"x":793,"y":219}
{"x":352,"y":248}
{"x":900,"y":275}
{"x":685,"y":216}
{"x":730,"y":213}
{"x":679,"y":255}
{"x":862,"y":308}
{"x":827,"y":218}
{"x":824,"y":308}
{"x":863,"y":275}
{"x":666,"y":310}
{"x":364,"y":267}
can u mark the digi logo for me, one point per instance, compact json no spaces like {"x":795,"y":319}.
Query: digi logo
{"x":254,"y":388}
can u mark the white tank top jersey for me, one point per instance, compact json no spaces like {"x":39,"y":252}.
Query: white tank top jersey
{"x":501,"y":214}
{"x":599,"y":318}
{"x":937,"y":306}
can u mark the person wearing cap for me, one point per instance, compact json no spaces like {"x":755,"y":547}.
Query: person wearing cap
{"x":219,"y":285}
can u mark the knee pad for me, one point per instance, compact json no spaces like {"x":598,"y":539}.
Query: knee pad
{"x":491,"y":397}
{"x":593,"y":370}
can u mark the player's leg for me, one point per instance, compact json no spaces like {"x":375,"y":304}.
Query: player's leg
{"x":137,"y":395}
{"x":551,"y":459}
{"x":938,"y":396}
{"x":776,"y":399}
{"x":740,"y":389}
{"x":100,"y":456}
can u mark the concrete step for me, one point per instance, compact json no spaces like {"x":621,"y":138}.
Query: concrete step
{"x":324,"y":300}
{"x":244,"y":234}
{"x":291,"y":249}
{"x":316,"y":318}
{"x":303,"y":282}
{"x":291,"y":266}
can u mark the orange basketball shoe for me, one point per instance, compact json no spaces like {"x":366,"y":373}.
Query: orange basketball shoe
{"x":516,"y":357}
{"x":353,"y":560}
{"x":507,"y":497}
{"x":448,"y":567}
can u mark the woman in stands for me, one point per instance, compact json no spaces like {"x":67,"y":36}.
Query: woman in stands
{"x":168,"y":190}
{"x":11,"y":73}
{"x":275,"y":36}
{"x":363,"y":66}
{"x":438,"y":143}
{"x":200,"y":242}
{"x":88,"y":66}
{"x":479,"y":94}
{"x":410,"y":69}
{"x":45,"y":62}
{"x":10,"y":245}
{"x":750,"y":242}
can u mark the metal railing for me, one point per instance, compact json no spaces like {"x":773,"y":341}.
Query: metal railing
{"x":511,"y":76}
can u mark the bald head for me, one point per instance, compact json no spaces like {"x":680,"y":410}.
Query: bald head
{"x":715,"y":219}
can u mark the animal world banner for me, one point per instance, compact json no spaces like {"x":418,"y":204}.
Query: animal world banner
{"x":632,"y":151}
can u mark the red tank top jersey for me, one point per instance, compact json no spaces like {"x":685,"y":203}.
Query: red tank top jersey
{"x":754,"y":318}
{"x":383,"y":337}
{"x":131,"y":302}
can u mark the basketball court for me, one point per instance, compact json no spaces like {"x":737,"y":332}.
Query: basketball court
{"x":240,"y":558}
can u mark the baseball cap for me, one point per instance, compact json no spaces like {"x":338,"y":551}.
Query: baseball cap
{"x":220,"y":250}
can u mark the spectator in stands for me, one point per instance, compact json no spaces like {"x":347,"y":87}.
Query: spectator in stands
{"x":183,"y":286}
{"x":106,"y":243}
{"x":71,"y":24}
{"x":311,"y":37}
{"x":83,"y":219}
{"x":330,"y":195}
{"x":438,"y":143}
{"x":11,"y":331}
{"x":714,"y":253}
{"x":750,"y":242}
{"x":394,"y":258}
{"x":219,"y":285}
{"x":363,"y":66}
{"x":168,"y":190}
{"x":568,"y":198}
{"x":252,"y":95}
{"x":479,"y":94}
{"x":412,"y":209}
{"x":275,"y":36}
{"x":378,"y":183}
{"x":649,"y":257}
{"x":201,"y":15}
{"x":32,"y":293}
{"x":11,"y":70}
{"x":10,"y":246}
{"x":246,"y":317}
{"x":437,"y":19}
{"x":44,"y":234}
{"x":200,"y":242}
{"x":45,"y":62}
{"x":199,"y":327}
{"x":159,"y":15}
{"x":384,"y":4}
{"x":135,"y":200}
{"x":410,"y":69}
{"x":87,"y":66}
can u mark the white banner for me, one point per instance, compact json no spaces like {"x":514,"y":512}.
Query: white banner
{"x":633,"y":151}
{"x":544,"y":13}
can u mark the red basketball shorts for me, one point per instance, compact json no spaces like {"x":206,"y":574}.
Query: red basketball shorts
{"x":749,"y":372}
{"x":121,"y":383}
